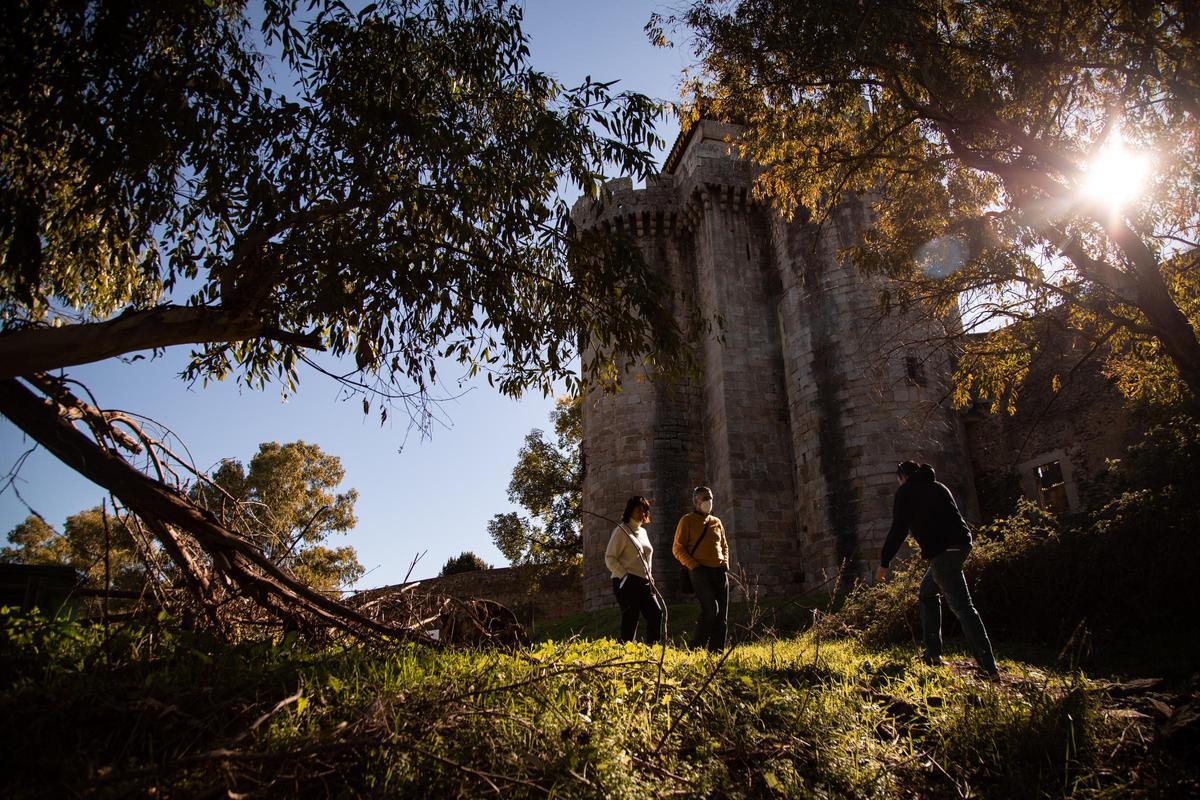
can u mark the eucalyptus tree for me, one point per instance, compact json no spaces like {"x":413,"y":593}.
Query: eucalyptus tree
{"x":547,"y":481}
{"x":381,"y":183}
{"x":286,"y":502}
{"x":98,"y":544}
{"x":1029,"y":155}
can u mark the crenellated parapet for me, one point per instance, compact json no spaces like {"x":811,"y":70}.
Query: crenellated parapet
{"x":701,"y":175}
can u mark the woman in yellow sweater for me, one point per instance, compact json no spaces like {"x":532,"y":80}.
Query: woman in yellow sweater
{"x":701,"y":546}
{"x":628,"y":557}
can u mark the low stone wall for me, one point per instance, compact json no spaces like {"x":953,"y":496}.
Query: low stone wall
{"x":557,"y":596}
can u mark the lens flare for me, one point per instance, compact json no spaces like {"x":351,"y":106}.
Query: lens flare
{"x":1117,"y":175}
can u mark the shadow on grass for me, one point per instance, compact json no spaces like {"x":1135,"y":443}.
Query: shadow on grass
{"x":772,"y":617}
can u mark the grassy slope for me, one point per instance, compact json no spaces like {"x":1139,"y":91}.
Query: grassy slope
{"x":789,"y":717}
{"x":773,"y":616}
{"x":161,"y":712}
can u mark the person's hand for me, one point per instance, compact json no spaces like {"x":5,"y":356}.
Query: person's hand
{"x":881,"y":574}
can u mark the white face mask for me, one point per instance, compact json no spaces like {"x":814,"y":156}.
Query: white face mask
{"x":705,"y":506}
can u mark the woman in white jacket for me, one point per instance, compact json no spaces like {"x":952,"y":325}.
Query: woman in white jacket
{"x":628,"y":557}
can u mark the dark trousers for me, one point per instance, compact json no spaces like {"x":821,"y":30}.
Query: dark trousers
{"x":945,"y":578}
{"x":636,"y":597}
{"x":711,"y":585}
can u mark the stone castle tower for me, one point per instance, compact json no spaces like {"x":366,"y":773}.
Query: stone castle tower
{"x":805,"y":405}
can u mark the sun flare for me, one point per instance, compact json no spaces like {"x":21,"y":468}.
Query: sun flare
{"x":1117,"y":175}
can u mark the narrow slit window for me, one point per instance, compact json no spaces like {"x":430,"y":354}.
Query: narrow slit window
{"x":914,"y":370}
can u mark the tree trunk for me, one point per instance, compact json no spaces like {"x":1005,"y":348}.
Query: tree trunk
{"x":1176,"y":334}
{"x":1175,"y":331}
{"x":270,"y":586}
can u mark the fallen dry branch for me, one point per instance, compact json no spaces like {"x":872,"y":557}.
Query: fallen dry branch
{"x":456,"y":621}
{"x":171,"y":516}
{"x":489,"y":778}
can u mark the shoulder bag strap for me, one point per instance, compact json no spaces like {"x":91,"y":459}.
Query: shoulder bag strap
{"x":703,"y":533}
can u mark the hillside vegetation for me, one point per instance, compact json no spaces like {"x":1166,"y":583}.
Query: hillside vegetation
{"x":158,"y":712}
{"x":1093,"y":620}
{"x":1106,"y":585}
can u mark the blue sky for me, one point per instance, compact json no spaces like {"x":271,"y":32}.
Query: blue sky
{"x":433,"y":495}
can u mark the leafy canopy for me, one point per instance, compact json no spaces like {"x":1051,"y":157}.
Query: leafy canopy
{"x":286,"y":504}
{"x":547,"y":482}
{"x":979,"y":131}
{"x":381,"y":183}
{"x":82,"y":545}
{"x":463,"y":562}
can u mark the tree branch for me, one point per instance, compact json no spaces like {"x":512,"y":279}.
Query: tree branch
{"x":271,"y":587}
{"x":1103,"y":273}
{"x":31,"y":350}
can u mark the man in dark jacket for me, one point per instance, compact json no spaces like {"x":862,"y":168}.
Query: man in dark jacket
{"x":927,"y":509}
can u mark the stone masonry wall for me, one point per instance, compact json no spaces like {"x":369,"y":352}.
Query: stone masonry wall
{"x":855,"y":411}
{"x":646,"y":440}
{"x":745,"y":424}
{"x":618,"y":447}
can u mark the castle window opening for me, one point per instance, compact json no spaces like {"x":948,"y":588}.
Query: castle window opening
{"x":914,"y":370}
{"x":1052,"y":487}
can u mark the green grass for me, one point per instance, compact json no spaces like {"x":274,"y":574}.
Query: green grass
{"x":162,"y":712}
{"x":769,"y":617}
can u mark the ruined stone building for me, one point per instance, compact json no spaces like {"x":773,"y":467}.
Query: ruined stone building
{"x":806,"y":402}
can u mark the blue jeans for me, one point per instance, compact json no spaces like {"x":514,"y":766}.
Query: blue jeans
{"x":711,"y":585}
{"x":945,"y":577}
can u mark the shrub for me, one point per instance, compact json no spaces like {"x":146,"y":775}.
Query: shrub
{"x":464,"y":562}
{"x":1168,"y":455}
